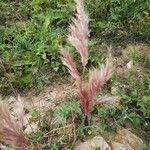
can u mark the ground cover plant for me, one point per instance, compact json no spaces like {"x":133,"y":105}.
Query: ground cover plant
{"x":32,"y":31}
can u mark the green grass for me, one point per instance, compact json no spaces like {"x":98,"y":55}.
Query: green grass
{"x":29,"y":47}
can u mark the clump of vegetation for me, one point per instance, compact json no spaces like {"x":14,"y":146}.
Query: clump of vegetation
{"x":78,"y":37}
{"x":30,"y":34}
{"x":117,"y":20}
{"x":136,"y":95}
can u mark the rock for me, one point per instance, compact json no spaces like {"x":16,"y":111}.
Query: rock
{"x":127,"y":138}
{"x":119,"y":146}
{"x":32,"y":127}
{"x":130,"y":64}
{"x":97,"y":142}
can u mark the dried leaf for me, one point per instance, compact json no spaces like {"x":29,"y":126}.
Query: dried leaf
{"x":108,"y":100}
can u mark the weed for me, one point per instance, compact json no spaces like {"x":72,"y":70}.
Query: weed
{"x":35,"y":114}
{"x":29,"y":48}
{"x":63,"y":112}
{"x":116,"y":19}
{"x":78,"y":37}
{"x":140,"y":56}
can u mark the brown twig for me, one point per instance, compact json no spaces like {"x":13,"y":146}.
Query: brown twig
{"x":74,"y":130}
{"x":57,"y":129}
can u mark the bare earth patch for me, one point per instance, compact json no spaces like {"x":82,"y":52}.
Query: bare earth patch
{"x":50,"y":95}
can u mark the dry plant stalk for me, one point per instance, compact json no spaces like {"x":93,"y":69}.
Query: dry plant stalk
{"x":10,"y":132}
{"x":78,"y":37}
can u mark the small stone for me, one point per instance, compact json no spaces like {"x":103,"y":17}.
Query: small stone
{"x":97,"y":142}
{"x":130,"y":64}
{"x":47,"y":97}
{"x":32,"y":127}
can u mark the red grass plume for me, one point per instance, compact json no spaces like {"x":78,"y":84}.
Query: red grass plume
{"x":78,"y":37}
{"x":10,"y":132}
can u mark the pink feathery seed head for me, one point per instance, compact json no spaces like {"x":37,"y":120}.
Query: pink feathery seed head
{"x":94,"y":82}
{"x":78,"y":32}
{"x":81,"y":48}
{"x":10,"y":132}
{"x":98,"y":77}
{"x":68,"y":61}
{"x":78,"y":37}
{"x":106,"y":70}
